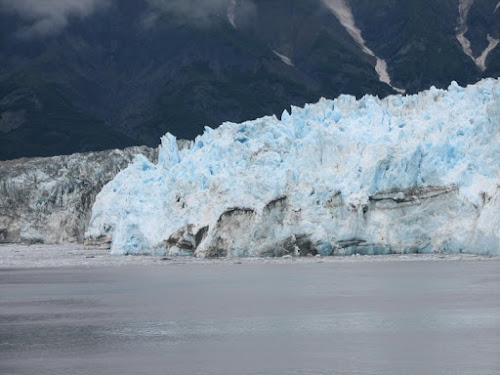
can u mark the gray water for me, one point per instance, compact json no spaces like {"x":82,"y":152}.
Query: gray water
{"x":347,"y":318}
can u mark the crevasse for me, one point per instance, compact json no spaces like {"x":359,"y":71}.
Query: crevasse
{"x":403,"y":174}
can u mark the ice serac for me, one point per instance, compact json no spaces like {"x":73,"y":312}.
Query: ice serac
{"x":403,"y":174}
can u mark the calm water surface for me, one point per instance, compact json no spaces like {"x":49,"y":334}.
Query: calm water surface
{"x":348,"y":318}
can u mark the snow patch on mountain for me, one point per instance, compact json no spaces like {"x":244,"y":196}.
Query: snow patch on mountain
{"x":231,"y":13}
{"x":284,"y":58}
{"x":481,"y":59}
{"x":462,"y":28}
{"x":402,"y":174}
{"x":343,"y":13}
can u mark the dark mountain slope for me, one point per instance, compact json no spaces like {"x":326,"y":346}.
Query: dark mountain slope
{"x":127,"y":73}
{"x":37,"y":119}
{"x":418,"y":43}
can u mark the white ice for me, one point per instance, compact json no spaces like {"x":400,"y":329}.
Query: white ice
{"x":401,"y":173}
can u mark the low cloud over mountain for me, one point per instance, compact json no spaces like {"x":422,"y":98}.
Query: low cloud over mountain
{"x":49,"y":16}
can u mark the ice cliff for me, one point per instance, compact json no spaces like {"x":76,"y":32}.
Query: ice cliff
{"x":49,"y":200}
{"x":404,"y":174}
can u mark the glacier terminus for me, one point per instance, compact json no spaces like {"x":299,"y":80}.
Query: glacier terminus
{"x":403,"y":174}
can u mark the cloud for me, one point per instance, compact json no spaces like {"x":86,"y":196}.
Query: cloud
{"x":45,"y":17}
{"x":200,"y":12}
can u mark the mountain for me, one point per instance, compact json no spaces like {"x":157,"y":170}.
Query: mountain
{"x":90,"y":75}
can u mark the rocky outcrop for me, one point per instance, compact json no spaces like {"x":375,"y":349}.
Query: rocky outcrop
{"x":49,"y":200}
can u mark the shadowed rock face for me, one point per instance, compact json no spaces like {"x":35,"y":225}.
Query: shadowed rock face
{"x":49,"y":200}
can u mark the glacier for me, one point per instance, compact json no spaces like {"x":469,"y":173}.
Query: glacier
{"x":404,"y":174}
{"x":48,"y":200}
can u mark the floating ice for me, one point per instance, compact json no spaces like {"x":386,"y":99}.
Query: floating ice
{"x":403,"y":174}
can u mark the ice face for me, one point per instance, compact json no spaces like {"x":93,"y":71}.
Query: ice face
{"x":417,"y":173}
